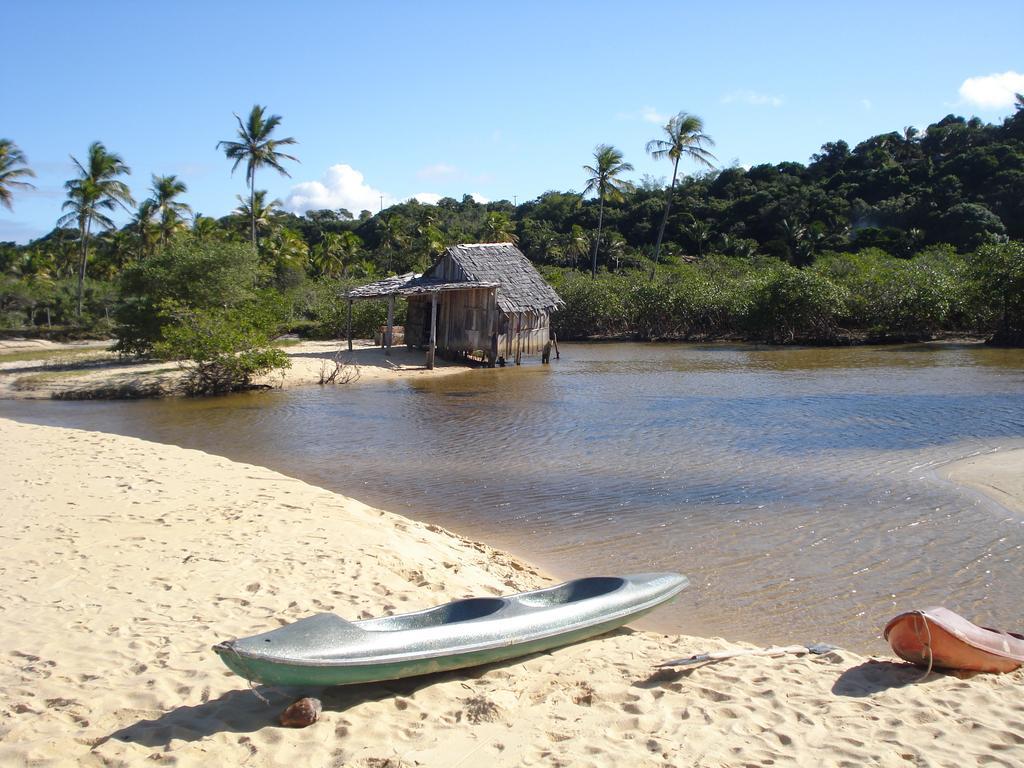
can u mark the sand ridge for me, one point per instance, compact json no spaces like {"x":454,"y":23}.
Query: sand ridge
{"x":123,"y":561}
{"x":997,"y":474}
{"x":89,"y":370}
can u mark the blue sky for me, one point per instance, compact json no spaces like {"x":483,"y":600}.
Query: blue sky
{"x":500,"y":100}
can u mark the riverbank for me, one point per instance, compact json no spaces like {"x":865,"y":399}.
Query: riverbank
{"x":998,"y":475}
{"x":123,"y":561}
{"x":34,"y":369}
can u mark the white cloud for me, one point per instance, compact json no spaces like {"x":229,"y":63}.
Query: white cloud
{"x":651,"y":115}
{"x":438,"y":171}
{"x":866,"y":103}
{"x":647,"y":114}
{"x":427,"y":198}
{"x":480,"y":198}
{"x":753,"y":98}
{"x":342,"y":186}
{"x":993,"y":91}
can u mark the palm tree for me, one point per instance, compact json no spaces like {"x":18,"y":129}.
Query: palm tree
{"x":257,"y":149}
{"x":118,"y":250}
{"x":498,"y":228}
{"x":258,"y":210}
{"x":604,"y":179}
{"x":286,"y":248}
{"x":700,"y":233}
{"x":351,"y":245}
{"x":391,"y":238}
{"x":96,"y":191}
{"x":795,"y":232}
{"x":616,"y":248}
{"x":578,"y":245}
{"x":172,"y":212}
{"x":429,"y":241}
{"x":205,"y":228}
{"x":553,"y":249}
{"x":144,"y":224}
{"x":685,"y":138}
{"x":12,"y":168}
{"x":327,"y":255}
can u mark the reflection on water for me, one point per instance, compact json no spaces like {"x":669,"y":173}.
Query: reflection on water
{"x":794,"y":486}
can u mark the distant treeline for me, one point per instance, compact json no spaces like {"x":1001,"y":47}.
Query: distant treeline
{"x":841,"y":298}
{"x":901,"y":236}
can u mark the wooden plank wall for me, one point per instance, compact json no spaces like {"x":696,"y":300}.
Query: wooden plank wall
{"x":465,"y":320}
{"x":526,"y":331}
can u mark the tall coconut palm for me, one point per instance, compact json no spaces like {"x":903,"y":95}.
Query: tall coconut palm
{"x":13,"y":168}
{"x":257,"y":149}
{"x":96,"y":191}
{"x":172,"y":212}
{"x":685,"y":137}
{"x":604,"y":180}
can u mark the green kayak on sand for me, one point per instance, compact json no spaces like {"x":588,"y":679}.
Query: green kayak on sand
{"x":326,"y":650}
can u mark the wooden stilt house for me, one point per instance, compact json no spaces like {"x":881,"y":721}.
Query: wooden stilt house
{"x":484,"y":298}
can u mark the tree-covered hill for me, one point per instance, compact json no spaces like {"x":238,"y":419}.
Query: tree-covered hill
{"x":845,"y":220}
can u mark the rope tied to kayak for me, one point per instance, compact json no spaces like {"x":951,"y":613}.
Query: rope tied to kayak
{"x":926,"y":643}
{"x":249,"y":677}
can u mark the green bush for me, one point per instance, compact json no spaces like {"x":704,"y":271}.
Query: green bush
{"x":187,"y":274}
{"x":998,"y":271}
{"x":222,"y":350}
{"x":652,"y":310}
{"x":593,"y":306}
{"x":797,"y":305}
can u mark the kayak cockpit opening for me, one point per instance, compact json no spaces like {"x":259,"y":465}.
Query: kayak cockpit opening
{"x":572,"y":591}
{"x":452,"y":613}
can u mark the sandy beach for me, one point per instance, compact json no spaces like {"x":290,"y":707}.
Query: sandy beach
{"x":35,"y":369}
{"x":123,"y":561}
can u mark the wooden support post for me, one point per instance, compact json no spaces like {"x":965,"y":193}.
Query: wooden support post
{"x":433,"y":330}
{"x":350,"y":325}
{"x":519,"y":338}
{"x":391,"y":325}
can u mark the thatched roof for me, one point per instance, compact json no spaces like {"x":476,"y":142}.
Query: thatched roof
{"x":485,"y":265}
{"x":520,"y":286}
{"x":411,"y":284}
{"x":381,"y":288}
{"x":426,"y":284}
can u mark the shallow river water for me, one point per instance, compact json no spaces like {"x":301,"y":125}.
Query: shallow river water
{"x":798,"y":488}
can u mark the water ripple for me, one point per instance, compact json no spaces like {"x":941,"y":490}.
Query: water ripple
{"x":794,"y":486}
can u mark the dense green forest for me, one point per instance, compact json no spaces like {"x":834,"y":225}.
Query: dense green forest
{"x":907,"y":235}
